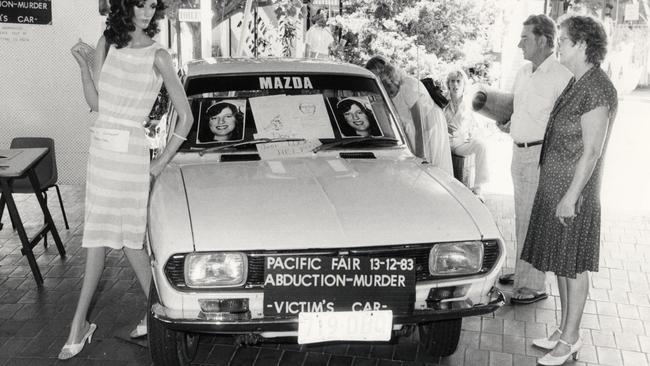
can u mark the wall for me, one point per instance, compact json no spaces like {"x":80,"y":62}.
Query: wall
{"x":40,"y":83}
{"x":512,"y":56}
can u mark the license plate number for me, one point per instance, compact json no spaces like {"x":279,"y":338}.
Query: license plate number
{"x":345,"y":326}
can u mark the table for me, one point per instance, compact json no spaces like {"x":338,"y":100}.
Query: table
{"x":20,"y":163}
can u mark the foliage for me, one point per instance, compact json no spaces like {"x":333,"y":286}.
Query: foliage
{"x":289,"y":14}
{"x":421,"y":36}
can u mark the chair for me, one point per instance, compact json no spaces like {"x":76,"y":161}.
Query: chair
{"x":45,"y":171}
{"x":464,"y":169}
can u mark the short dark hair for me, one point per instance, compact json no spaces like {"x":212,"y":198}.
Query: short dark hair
{"x":384,"y":70}
{"x":543,"y":25}
{"x":120,"y":21}
{"x":581,"y":28}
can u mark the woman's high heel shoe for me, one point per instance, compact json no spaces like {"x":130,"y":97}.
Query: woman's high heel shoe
{"x":546,"y":343}
{"x":139,"y":331}
{"x":550,"y":360}
{"x":71,"y":350}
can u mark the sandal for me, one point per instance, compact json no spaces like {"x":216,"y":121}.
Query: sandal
{"x":546,"y":343}
{"x":139,"y":331}
{"x":70,"y":350}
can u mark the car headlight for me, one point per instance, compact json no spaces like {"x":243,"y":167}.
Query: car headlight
{"x":215,"y":269}
{"x":456,"y":258}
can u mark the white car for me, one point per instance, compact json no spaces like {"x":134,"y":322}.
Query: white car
{"x":296,"y":209}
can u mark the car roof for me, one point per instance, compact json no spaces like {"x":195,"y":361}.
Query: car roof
{"x":225,"y":66}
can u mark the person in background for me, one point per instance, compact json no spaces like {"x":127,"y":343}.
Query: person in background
{"x":537,"y":86}
{"x":119,"y":170}
{"x":318,"y":38}
{"x":460,"y":123}
{"x":564,"y":232}
{"x":422,"y":120}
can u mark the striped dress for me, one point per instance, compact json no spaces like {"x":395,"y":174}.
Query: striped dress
{"x":117,"y":186}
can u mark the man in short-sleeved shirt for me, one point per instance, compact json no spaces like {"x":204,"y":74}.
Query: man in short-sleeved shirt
{"x":318,"y":38}
{"x":537,"y":86}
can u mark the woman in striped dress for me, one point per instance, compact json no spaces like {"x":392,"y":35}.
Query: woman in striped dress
{"x":130,"y":67}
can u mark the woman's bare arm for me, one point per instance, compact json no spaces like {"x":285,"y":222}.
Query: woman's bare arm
{"x":594,"y":131}
{"x":90,"y":63}
{"x":164,"y":65}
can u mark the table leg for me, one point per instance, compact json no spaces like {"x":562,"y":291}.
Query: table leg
{"x":2,"y":208}
{"x":46,"y":212}
{"x":15,"y":218}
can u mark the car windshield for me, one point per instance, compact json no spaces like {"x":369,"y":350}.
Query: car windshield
{"x":296,"y":109}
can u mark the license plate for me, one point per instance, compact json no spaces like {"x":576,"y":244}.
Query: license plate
{"x":345,"y":326}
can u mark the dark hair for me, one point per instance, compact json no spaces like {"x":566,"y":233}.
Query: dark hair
{"x":319,"y":18}
{"x":435,"y":92}
{"x":347,"y":130}
{"x":206,"y":135}
{"x":377,"y":63}
{"x":586,"y":29}
{"x":380,"y":66}
{"x":120,"y":21}
{"x":543,"y":25}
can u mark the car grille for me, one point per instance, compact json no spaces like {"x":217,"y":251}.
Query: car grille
{"x":174,"y":268}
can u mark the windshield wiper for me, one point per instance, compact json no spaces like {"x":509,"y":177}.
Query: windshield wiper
{"x":368,"y":140}
{"x":264,"y":140}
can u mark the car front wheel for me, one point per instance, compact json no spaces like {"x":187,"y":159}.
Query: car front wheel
{"x":440,"y":338}
{"x":168,"y":347}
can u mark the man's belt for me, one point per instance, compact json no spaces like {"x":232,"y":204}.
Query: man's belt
{"x":529,"y":144}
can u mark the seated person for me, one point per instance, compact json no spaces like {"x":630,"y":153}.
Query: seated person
{"x":460,"y":122}
{"x":225,"y":122}
{"x":359,"y":120}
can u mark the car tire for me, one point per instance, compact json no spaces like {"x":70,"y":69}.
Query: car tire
{"x":168,"y":347}
{"x":440,"y":338}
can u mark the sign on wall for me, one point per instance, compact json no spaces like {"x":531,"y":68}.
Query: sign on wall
{"x":26,"y":11}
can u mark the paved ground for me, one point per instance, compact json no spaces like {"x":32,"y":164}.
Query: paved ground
{"x":615,"y":327}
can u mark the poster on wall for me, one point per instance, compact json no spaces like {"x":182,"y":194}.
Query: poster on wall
{"x":26,"y":11}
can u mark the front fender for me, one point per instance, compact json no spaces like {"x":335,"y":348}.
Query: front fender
{"x":170,"y":229}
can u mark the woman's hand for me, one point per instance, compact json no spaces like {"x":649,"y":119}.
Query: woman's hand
{"x":567,"y":209}
{"x":156,"y":167}
{"x":83,"y":53}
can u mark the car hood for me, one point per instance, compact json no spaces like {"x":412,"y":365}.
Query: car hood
{"x":323,"y":203}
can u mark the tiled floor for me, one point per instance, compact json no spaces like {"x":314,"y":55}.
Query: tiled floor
{"x":615,"y":326}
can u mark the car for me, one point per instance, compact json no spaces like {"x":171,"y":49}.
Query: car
{"x":296,"y":211}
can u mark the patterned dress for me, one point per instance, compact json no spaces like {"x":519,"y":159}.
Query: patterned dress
{"x":550,"y":246}
{"x":117,"y":186}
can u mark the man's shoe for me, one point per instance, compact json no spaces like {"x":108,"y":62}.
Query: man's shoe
{"x":528,"y":300}
{"x":507,"y":279}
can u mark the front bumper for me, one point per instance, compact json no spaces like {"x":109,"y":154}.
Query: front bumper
{"x":197,"y":325}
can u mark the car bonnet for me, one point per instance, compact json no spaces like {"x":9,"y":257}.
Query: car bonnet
{"x":320,"y":203}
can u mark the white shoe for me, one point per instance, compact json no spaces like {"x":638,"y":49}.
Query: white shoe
{"x":71,"y":350}
{"x":139,"y":331}
{"x":546,"y":343}
{"x":550,"y":360}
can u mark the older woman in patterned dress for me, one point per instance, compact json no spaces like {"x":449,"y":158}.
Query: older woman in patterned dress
{"x":564,"y":232}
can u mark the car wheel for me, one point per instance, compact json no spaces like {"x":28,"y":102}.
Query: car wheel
{"x":440,"y":338}
{"x":169,"y":347}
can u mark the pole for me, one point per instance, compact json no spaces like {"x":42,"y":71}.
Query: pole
{"x":244,"y":28}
